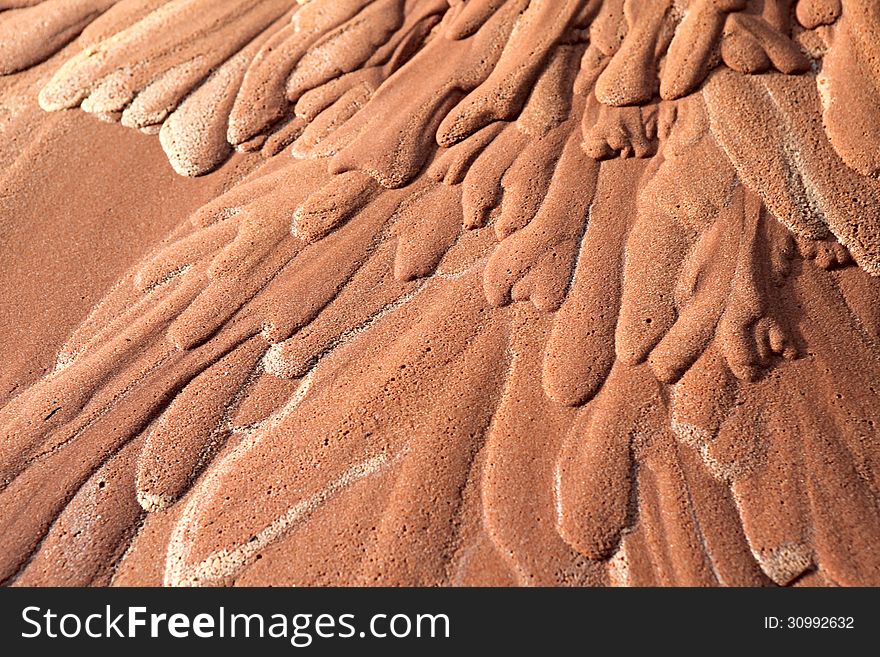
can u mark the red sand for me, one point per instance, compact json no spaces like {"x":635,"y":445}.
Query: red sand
{"x":503,"y":292}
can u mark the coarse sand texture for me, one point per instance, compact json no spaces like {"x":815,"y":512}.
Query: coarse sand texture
{"x":440,"y":292}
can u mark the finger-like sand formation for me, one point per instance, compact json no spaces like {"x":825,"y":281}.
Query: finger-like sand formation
{"x":515,"y":292}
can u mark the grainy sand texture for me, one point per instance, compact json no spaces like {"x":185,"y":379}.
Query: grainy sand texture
{"x":440,"y":292}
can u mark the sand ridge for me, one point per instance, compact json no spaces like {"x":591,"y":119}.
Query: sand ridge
{"x":578,"y":275}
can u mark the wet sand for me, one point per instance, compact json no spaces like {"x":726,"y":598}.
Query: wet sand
{"x":436,"y":292}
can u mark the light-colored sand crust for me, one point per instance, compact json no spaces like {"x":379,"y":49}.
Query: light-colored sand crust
{"x":570,"y":292}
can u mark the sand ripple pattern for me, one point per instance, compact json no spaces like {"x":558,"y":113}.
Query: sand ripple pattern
{"x":526,"y":292}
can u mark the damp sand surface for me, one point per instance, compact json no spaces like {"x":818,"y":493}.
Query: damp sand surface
{"x":481,"y":292}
